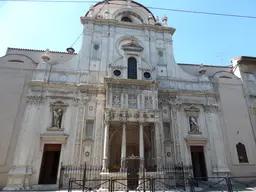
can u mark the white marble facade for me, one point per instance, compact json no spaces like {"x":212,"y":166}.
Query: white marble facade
{"x":79,"y":103}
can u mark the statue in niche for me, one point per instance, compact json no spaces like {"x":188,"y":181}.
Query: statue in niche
{"x":57,"y":118}
{"x":194,"y":127}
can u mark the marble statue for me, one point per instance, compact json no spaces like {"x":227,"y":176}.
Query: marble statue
{"x":194,"y":127}
{"x":57,"y":118}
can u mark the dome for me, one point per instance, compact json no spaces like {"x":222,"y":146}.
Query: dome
{"x":116,"y":9}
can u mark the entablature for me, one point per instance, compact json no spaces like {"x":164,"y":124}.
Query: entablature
{"x":131,"y":115}
{"x":161,"y":29}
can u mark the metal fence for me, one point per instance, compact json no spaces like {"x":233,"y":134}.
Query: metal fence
{"x":166,"y":178}
{"x":84,"y":176}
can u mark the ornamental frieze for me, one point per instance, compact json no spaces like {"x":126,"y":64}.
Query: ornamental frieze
{"x":35,"y":99}
{"x":130,"y":115}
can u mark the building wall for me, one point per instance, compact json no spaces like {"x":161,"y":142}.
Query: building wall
{"x":236,"y":123}
{"x":15,"y":73}
{"x":80,"y":84}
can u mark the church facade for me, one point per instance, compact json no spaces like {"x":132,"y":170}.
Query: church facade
{"x":123,"y":98}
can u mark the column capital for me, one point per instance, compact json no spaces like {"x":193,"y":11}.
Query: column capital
{"x":106,"y":122}
{"x":140,"y":123}
{"x":123,"y":122}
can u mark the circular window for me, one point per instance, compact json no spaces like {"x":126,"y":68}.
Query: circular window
{"x":147,"y":75}
{"x":160,"y":53}
{"x":117,"y":72}
{"x":96,"y":47}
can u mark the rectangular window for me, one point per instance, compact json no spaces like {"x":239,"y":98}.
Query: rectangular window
{"x":89,"y":129}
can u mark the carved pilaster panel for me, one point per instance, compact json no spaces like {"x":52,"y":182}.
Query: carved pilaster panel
{"x":99,"y":126}
{"x":176,"y":135}
{"x":78,"y":139}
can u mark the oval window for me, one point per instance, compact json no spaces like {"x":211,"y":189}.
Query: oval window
{"x":147,"y":75}
{"x":117,"y":72}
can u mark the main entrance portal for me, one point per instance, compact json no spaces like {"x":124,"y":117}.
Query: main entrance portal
{"x":131,"y":144}
{"x":198,"y":161}
{"x":50,"y":164}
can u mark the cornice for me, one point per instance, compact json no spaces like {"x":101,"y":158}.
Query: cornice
{"x":130,"y":81}
{"x":81,"y":87}
{"x":86,"y":20}
{"x":187,"y":93}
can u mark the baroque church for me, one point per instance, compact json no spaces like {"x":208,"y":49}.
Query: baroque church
{"x":123,"y":102}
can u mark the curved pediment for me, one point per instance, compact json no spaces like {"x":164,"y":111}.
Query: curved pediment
{"x":132,"y":46}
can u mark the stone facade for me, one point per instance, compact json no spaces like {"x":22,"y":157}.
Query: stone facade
{"x":124,"y":97}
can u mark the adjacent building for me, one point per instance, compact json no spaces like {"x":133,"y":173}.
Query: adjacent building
{"x":123,"y":102}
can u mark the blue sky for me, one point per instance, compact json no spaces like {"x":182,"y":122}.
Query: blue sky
{"x":207,"y":39}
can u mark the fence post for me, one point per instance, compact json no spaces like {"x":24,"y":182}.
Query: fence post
{"x":109,"y":185}
{"x":69,"y":184}
{"x":144,"y":184}
{"x":151,"y":183}
{"x":229,"y":183}
{"x":84,"y":176}
{"x":191,"y":184}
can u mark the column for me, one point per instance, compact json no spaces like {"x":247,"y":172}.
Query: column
{"x":141,"y":147}
{"x":105,"y":149}
{"x":158,"y":145}
{"x":123,"y":153}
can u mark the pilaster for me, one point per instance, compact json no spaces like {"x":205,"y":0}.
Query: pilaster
{"x":80,"y":102}
{"x":220,"y":167}
{"x":99,"y":125}
{"x":158,"y":144}
{"x":21,"y":171}
{"x":175,"y":107}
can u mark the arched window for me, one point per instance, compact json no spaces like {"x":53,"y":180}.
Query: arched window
{"x":132,"y":68}
{"x":241,"y":152}
{"x":126,"y":19}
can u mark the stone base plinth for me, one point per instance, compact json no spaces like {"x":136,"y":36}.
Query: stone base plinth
{"x":18,"y":178}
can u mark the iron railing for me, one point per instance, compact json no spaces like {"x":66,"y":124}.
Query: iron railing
{"x":167,"y":178}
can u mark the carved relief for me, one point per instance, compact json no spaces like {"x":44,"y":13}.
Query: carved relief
{"x":176,"y":136}
{"x":83,"y":78}
{"x":148,"y":102}
{"x":132,"y":101}
{"x":116,"y":101}
{"x":35,"y":99}
{"x":174,"y":102}
{"x":80,"y":99}
{"x":212,"y":106}
{"x":130,"y":115}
